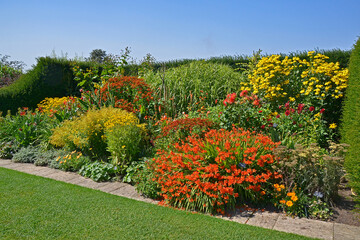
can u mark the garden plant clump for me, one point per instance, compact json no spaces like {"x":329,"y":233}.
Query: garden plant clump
{"x":200,"y":136}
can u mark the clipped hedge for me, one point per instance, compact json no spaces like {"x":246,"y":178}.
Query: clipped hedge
{"x":351,"y":120}
{"x":51,"y":77}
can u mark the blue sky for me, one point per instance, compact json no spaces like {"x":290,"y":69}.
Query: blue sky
{"x":174,"y":29}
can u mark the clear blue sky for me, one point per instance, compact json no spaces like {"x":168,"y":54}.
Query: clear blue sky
{"x":170,"y":29}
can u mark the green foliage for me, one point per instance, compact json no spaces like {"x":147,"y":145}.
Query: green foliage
{"x":72,"y":161}
{"x":126,"y":143}
{"x":26,"y":155}
{"x":193,"y":87}
{"x":6,"y":150}
{"x":312,"y":169}
{"x":350,"y":130}
{"x":48,"y":157}
{"x":143,"y":179}
{"x":49,"y":78}
{"x":97,"y":171}
{"x":97,"y":55}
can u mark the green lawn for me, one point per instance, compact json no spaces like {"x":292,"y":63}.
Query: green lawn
{"x":33,"y":207}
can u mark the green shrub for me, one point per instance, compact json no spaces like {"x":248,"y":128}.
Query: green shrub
{"x":143,"y":179}
{"x":51,"y":77}
{"x":97,"y":171}
{"x":47,"y":157}
{"x":87,"y":132}
{"x":350,"y":130}
{"x":72,"y":161}
{"x":194,"y":86}
{"x":26,"y":155}
{"x":312,"y":169}
{"x":126,"y":144}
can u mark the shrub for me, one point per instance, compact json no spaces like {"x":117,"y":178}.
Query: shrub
{"x":211,"y":174}
{"x":144,"y":177}
{"x":49,"y":78}
{"x":98,"y":171}
{"x":178,"y":130}
{"x":128,"y":93}
{"x":60,"y":108}
{"x":312,"y":169}
{"x":87,"y":132}
{"x":26,"y":155}
{"x":6,"y":150}
{"x":351,"y":120}
{"x":48,"y":157}
{"x":126,"y":143}
{"x":193,"y":86}
{"x":72,"y":161}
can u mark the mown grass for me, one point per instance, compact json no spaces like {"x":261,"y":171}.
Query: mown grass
{"x":33,"y":207}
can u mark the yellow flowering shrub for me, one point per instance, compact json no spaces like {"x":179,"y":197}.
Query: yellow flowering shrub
{"x":48,"y":105}
{"x":87,"y":132}
{"x":293,"y":79}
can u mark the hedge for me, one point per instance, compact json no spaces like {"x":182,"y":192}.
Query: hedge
{"x":350,"y":129}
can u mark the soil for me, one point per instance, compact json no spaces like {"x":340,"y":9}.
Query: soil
{"x":344,"y":208}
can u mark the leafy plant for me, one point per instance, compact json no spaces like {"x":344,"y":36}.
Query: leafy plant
{"x":98,"y":171}
{"x":26,"y":155}
{"x":213,"y":173}
{"x":126,"y":143}
{"x":72,"y":161}
{"x":143,"y":177}
{"x":87,"y":132}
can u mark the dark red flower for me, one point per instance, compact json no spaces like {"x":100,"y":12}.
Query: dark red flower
{"x":322,"y":110}
{"x":287,"y":112}
{"x":311,"y":109}
{"x":300,"y":108}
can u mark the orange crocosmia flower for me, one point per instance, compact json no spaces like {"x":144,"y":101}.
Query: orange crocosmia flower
{"x":289,"y":203}
{"x":290,"y":194}
{"x":276,"y":185}
{"x":294,"y":198}
{"x":282,"y":186}
{"x":282,"y":201}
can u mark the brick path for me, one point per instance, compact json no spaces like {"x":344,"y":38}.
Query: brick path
{"x":275,"y":221}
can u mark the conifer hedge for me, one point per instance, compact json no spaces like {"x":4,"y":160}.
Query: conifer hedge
{"x":350,"y":130}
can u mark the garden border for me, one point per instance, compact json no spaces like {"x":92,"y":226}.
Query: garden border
{"x":274,"y":221}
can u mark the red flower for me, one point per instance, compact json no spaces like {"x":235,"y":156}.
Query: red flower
{"x":22,"y":113}
{"x":322,"y":110}
{"x":224,"y":102}
{"x":300,"y":108}
{"x":243,"y":93}
{"x":287,"y":105}
{"x":287,"y":112}
{"x":311,"y":109}
{"x":260,"y":111}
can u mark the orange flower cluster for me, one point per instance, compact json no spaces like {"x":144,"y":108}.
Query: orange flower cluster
{"x":209,"y":173}
{"x":185,"y":125}
{"x":129,"y":93}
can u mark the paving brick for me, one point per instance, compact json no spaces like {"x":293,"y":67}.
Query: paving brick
{"x":110,"y":187}
{"x":263,"y":219}
{"x":62,"y":176}
{"x":306,"y":227}
{"x":4,"y":162}
{"x":346,"y":232}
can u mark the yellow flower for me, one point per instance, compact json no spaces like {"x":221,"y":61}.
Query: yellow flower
{"x":276,"y":185}
{"x":333,"y":126}
{"x":289,"y":203}
{"x":282,"y":186}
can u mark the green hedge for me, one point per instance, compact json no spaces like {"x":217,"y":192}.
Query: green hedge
{"x":335,"y":55}
{"x":351,"y":120}
{"x":51,"y":77}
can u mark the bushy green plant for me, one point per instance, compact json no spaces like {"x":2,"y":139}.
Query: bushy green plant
{"x":72,"y":161}
{"x":26,"y":155}
{"x":97,"y":171}
{"x":126,"y":144}
{"x":87,"y":132}
{"x":312,"y":169}
{"x":24,"y":129}
{"x":48,"y":156}
{"x":6,"y":150}
{"x":143,"y":178}
{"x":351,"y":120}
{"x":193,"y":87}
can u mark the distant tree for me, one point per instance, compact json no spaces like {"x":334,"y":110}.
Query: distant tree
{"x":97,"y":55}
{"x":18,"y":65}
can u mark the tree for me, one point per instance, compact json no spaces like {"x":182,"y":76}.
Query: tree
{"x":97,"y":55}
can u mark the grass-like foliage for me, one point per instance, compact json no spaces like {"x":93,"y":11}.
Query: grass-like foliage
{"x":193,"y":86}
{"x":351,"y":120}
